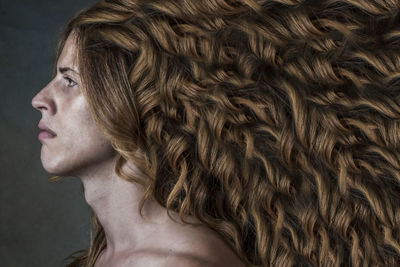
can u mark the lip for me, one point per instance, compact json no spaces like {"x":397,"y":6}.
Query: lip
{"x":46,"y":132}
{"x":45,"y":135}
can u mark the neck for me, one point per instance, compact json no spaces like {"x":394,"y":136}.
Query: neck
{"x":115,"y":202}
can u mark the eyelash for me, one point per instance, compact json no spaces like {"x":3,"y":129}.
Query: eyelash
{"x":69,"y":81}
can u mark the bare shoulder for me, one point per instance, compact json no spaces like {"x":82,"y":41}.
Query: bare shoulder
{"x":187,"y":246}
{"x":167,"y":259}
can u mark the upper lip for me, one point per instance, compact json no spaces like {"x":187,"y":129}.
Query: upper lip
{"x":43,"y":126}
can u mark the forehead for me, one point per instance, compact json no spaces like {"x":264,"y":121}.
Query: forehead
{"x":68,"y":54}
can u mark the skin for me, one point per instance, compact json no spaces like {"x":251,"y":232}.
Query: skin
{"x":80,"y":150}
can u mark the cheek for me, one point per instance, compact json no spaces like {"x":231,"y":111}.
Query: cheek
{"x":79,"y":146}
{"x":82,"y":132}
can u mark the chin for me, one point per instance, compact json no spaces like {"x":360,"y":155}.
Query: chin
{"x":54,"y":167}
{"x":56,"y":170}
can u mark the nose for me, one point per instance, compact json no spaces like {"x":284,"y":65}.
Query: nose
{"x":44,"y":100}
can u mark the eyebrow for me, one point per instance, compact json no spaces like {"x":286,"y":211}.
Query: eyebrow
{"x":65,"y":69}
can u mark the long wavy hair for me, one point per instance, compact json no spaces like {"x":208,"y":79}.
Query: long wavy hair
{"x":276,"y":123}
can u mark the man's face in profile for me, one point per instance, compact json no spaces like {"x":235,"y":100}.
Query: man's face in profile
{"x":78,"y":146}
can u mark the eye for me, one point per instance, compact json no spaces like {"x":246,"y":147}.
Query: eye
{"x":70,"y":82}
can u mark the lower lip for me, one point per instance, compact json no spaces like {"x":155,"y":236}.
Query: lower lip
{"x":45,"y":135}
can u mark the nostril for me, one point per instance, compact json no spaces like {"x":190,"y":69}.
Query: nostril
{"x":38,"y":102}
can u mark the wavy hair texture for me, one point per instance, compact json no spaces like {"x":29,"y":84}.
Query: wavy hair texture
{"x":274,"y":122}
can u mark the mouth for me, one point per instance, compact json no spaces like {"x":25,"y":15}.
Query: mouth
{"x":46,"y":132}
{"x":46,"y":135}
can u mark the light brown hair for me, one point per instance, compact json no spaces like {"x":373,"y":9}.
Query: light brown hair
{"x":274,"y":122}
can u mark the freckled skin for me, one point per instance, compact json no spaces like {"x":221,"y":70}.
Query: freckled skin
{"x":80,"y":150}
{"x":79,"y":145}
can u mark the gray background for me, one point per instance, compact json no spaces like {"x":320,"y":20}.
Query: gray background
{"x":40,"y":222}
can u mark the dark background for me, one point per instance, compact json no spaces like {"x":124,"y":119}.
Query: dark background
{"x":40,"y":222}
